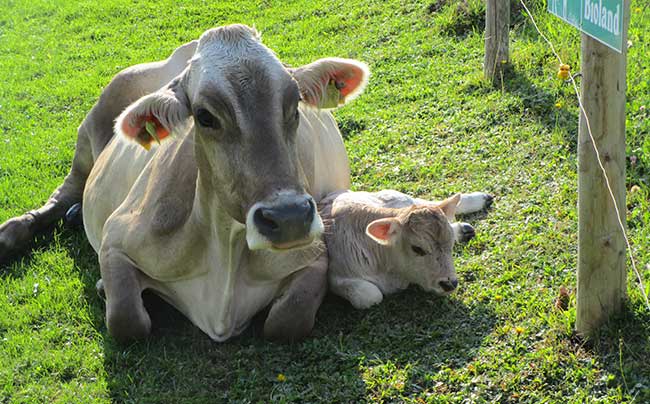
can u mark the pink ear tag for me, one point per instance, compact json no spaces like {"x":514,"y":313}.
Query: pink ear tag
{"x":331,"y":97}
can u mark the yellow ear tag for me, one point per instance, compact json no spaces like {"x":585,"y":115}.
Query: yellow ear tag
{"x":151,"y":128}
{"x":144,"y":139}
{"x":331,"y":97}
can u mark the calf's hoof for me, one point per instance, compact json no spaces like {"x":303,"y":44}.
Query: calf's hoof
{"x":365,"y":296}
{"x":467,"y":232}
{"x":489,"y":200}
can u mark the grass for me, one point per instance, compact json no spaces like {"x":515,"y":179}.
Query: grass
{"x":428,"y":125}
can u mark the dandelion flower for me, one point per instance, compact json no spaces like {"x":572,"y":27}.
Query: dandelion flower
{"x":563,"y":72}
{"x":281,"y":378}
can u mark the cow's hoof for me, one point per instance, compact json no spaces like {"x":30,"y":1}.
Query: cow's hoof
{"x":287,"y":325}
{"x":73,"y":217}
{"x":287,"y":333}
{"x":15,"y":236}
{"x":128,"y":325}
{"x":467,"y":232}
{"x":99,"y":287}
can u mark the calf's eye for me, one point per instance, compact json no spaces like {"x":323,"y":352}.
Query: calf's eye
{"x":418,"y":250}
{"x":205,"y":118}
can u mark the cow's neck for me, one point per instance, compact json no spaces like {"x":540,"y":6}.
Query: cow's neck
{"x":210,"y":213}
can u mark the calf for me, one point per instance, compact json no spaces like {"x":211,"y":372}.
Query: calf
{"x":379,"y":243}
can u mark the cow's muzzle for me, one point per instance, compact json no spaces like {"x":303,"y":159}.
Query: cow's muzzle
{"x":288,"y":220}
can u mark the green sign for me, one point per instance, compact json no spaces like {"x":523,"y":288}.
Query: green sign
{"x":600,"y":19}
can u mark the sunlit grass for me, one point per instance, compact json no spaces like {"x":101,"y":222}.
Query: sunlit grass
{"x":428,"y":125}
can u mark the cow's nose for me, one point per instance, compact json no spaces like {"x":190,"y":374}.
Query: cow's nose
{"x":449,"y":285}
{"x":287,"y":222}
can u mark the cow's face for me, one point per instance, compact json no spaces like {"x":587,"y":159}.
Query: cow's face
{"x":420,"y":242}
{"x":244,"y":105}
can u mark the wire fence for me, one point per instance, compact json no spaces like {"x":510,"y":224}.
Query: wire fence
{"x":618,"y":212}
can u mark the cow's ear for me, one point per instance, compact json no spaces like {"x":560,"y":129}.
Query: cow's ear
{"x":385,"y":231}
{"x":154,"y":117}
{"x":331,"y":82}
{"x":448,"y":206}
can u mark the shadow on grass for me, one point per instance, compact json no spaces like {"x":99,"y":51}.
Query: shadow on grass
{"x":17,"y":262}
{"x":417,"y":333}
{"x":624,"y":348}
{"x":536,"y":101}
{"x":412,"y":330}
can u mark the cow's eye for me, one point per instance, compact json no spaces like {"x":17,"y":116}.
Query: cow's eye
{"x":419,"y":251}
{"x":205,"y":118}
{"x":297,"y":115}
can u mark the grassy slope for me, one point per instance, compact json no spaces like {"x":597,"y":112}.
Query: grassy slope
{"x":427,"y":125}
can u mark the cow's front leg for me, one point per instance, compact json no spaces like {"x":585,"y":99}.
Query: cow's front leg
{"x":126,"y":317}
{"x":293,"y":314}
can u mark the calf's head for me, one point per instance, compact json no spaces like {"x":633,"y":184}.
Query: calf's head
{"x":245,"y":107}
{"x":419,"y":242}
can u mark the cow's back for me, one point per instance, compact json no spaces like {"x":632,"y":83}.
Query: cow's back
{"x":117,"y":163}
{"x":126,"y":87}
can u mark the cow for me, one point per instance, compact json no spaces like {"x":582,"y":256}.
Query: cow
{"x":199,"y":177}
{"x":380,"y":243}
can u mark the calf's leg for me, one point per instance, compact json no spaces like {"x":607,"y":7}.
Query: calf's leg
{"x":473,"y":202}
{"x":293,"y":314}
{"x":362,"y":294}
{"x":126,"y":317}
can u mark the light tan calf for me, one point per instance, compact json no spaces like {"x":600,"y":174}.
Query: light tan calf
{"x":379,"y":243}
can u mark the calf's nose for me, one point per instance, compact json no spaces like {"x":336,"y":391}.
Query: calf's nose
{"x":287,"y":221}
{"x":449,"y":284}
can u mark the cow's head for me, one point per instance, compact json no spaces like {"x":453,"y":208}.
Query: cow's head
{"x":420,"y":241}
{"x":244,"y":107}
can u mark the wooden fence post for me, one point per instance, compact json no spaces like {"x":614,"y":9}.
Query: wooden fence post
{"x":497,"y":29}
{"x":601,"y":286}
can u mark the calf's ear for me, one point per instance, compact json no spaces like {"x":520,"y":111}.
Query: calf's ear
{"x":385,"y":231}
{"x":152,"y":118}
{"x":448,"y":206}
{"x":331,"y":82}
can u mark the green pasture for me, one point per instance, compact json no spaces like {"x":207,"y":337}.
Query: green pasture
{"x":428,"y":124}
